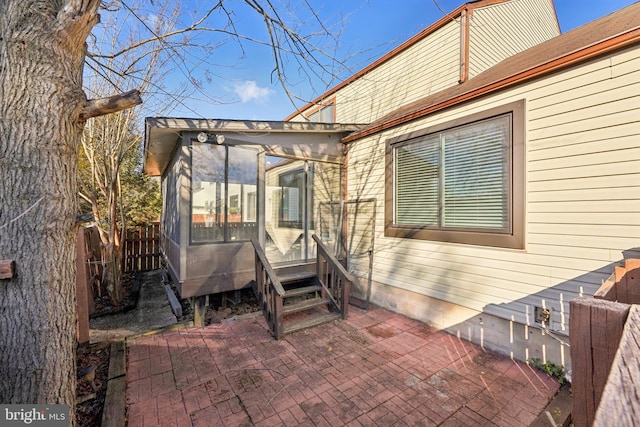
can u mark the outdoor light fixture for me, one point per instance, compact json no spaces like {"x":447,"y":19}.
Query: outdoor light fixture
{"x":204,"y":137}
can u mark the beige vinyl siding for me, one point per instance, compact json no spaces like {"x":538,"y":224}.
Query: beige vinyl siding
{"x":433,"y":63}
{"x":502,"y":30}
{"x":425,"y":68}
{"x":583,"y":198}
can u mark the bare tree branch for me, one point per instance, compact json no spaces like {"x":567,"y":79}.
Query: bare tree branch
{"x":112,"y":104}
{"x":190,"y":48}
{"x":158,"y":37}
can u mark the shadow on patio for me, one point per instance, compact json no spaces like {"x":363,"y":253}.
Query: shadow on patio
{"x":375,"y":368}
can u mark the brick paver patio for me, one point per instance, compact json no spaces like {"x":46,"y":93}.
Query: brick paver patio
{"x":375,"y":369}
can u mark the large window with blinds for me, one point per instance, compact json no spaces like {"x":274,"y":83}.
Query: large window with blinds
{"x":458,"y":183}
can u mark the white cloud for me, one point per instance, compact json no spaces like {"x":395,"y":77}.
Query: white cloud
{"x":249,"y":90}
{"x":153,"y":20}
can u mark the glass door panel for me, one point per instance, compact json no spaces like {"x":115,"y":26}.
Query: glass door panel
{"x":285,"y":210}
{"x":242,"y":183}
{"x":326,"y":186}
{"x":294,"y":192}
{"x":207,"y":193}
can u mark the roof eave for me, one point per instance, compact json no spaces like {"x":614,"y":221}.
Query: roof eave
{"x":162,"y":134}
{"x":391,"y":54}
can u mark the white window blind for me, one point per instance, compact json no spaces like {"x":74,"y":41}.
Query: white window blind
{"x":476,"y":176}
{"x":458,"y":178}
{"x":417,"y":176}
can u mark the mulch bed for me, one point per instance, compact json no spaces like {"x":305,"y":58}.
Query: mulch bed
{"x":89,"y":411}
{"x":130,"y":292}
{"x":90,"y":396}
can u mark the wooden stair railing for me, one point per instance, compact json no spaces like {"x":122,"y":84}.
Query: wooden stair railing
{"x":336,"y":281}
{"x":299,"y":299}
{"x":270,"y":292}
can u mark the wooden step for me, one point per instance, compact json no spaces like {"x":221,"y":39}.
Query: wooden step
{"x":304,"y":305}
{"x":301,"y":291}
{"x":296,"y":277}
{"x":311,"y":322}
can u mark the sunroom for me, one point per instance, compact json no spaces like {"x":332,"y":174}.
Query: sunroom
{"x":226,"y":182}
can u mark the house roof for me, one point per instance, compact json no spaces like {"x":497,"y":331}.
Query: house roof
{"x":469,"y":6}
{"x":612,"y":32}
{"x":162,"y":135}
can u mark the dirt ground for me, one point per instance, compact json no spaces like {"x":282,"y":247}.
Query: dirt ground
{"x":230,"y":304}
{"x":90,"y":393}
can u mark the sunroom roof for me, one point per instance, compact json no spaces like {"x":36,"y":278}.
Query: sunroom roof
{"x":162,"y":135}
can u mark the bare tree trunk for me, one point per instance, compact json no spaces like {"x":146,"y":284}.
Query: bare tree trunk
{"x":114,"y":286}
{"x":42,"y":49}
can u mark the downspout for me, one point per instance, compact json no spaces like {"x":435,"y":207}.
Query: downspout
{"x":465,"y":16}
{"x":345,"y":196}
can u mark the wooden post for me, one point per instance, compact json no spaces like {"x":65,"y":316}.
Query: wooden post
{"x":620,"y":404}
{"x":7,"y":269}
{"x":82,"y":285}
{"x":200,"y":310}
{"x":279,"y":316}
{"x":346,"y":292}
{"x":632,"y":266}
{"x":621,"y":284}
{"x":596,"y":328}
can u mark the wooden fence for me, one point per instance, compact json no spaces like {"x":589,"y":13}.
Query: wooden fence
{"x":141,"y":249}
{"x":601,"y":332}
{"x":140,"y":252}
{"x":88,"y":273}
{"x":620,"y":404}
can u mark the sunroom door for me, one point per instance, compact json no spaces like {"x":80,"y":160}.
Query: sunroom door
{"x":293,"y":191}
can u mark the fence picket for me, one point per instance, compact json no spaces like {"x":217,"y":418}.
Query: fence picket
{"x":141,"y":249}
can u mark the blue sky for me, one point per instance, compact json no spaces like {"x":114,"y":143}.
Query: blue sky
{"x":367,"y":29}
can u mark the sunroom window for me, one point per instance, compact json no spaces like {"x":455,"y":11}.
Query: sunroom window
{"x":223,"y":193}
{"x":461,"y":183}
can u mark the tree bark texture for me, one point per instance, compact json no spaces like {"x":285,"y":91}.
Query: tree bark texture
{"x":42,"y":50}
